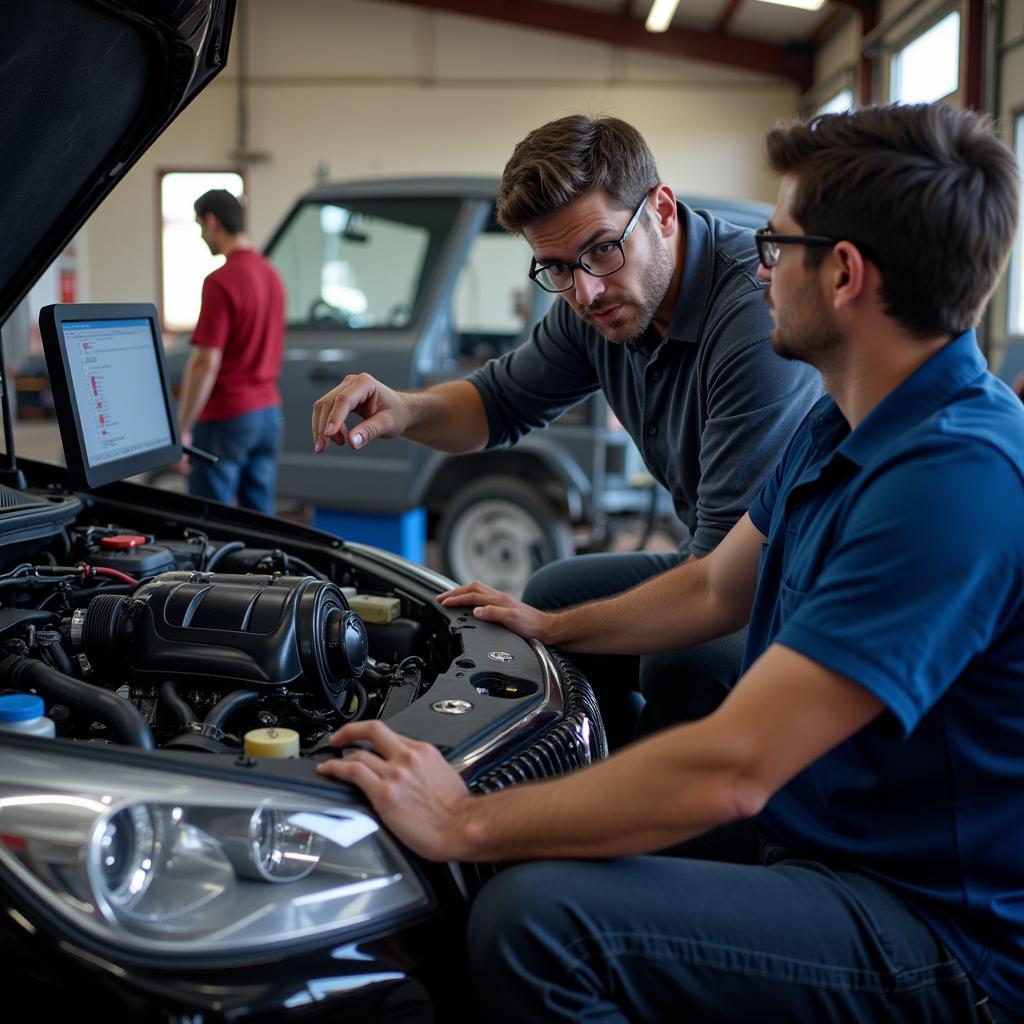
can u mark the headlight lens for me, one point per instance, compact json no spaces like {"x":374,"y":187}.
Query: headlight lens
{"x":125,"y":854}
{"x":178,"y":863}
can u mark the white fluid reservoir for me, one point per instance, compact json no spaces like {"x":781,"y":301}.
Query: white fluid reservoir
{"x":23,"y":713}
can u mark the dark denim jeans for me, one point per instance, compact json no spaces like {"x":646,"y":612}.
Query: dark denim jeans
{"x":677,"y":686}
{"x":668,"y":938}
{"x":246,"y":450}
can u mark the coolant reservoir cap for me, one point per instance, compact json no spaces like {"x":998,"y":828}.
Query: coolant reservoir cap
{"x":122,"y":541}
{"x":272,"y":742}
{"x":21,"y":707}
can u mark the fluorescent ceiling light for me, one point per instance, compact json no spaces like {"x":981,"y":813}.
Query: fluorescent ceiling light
{"x":661,"y":14}
{"x":804,"y":5}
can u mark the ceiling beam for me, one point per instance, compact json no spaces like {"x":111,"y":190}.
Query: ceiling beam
{"x":870,"y":13}
{"x":793,"y":62}
{"x":837,"y":13}
{"x":974,"y":73}
{"x":726,"y":16}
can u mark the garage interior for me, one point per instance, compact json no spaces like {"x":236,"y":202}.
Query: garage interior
{"x":319,"y":90}
{"x":146,"y":839}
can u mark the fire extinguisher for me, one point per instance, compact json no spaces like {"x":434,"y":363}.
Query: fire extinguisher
{"x":67,"y":275}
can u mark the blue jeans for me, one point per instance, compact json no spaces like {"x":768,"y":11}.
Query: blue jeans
{"x":246,"y":448}
{"x":660,"y":938}
{"x":677,"y":686}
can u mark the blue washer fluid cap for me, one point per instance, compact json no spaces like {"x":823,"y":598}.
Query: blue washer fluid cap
{"x":21,"y":707}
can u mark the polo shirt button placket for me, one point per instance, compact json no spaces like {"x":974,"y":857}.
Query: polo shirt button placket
{"x":652,"y":430}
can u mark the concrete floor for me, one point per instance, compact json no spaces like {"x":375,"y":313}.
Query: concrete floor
{"x":38,"y":439}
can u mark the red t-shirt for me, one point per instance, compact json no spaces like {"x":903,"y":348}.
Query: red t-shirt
{"x":243,"y":314}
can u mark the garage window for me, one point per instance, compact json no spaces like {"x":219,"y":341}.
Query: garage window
{"x":184,"y":258}
{"x":838,"y":103}
{"x":927,"y":67}
{"x":1015,"y":306}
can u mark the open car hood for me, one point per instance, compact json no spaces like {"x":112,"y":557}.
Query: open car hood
{"x":87,"y":86}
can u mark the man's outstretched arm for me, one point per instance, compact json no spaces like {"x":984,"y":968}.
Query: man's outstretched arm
{"x":449,"y":417}
{"x":697,"y":601}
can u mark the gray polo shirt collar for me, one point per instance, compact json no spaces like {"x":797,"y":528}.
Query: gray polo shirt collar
{"x":695,"y":282}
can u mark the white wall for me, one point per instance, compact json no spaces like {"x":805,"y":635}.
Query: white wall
{"x":379,"y":89}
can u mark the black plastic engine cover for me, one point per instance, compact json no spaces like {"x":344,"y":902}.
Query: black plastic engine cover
{"x":226,"y":632}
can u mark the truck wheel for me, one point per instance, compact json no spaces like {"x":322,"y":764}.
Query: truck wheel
{"x":499,"y":530}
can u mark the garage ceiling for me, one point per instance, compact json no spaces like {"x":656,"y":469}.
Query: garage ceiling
{"x":750,"y":34}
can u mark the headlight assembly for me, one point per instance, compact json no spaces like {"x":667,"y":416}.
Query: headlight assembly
{"x":171,"y":862}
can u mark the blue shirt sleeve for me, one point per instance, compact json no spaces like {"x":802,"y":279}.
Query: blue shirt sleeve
{"x":921,"y":577}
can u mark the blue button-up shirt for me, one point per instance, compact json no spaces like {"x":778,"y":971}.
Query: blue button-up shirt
{"x":895,"y":557}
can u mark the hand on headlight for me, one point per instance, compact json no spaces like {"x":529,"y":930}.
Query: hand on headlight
{"x":492,"y":605}
{"x":416,"y":793}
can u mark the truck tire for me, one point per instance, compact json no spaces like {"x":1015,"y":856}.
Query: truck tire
{"x":499,"y":530}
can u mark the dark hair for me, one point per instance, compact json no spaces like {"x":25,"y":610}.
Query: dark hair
{"x":225,"y":207}
{"x":928,"y":192}
{"x":564,"y":160}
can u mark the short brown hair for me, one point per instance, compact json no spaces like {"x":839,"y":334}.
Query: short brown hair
{"x":567,"y":159}
{"x":929,"y":193}
{"x":225,"y":207}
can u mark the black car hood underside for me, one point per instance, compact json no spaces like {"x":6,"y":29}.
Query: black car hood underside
{"x":87,"y":85}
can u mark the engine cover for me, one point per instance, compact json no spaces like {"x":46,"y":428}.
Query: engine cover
{"x":227,"y":632}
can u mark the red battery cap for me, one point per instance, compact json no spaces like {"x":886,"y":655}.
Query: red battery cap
{"x":122,"y":541}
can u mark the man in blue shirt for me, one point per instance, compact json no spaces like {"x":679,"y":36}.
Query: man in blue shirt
{"x":874,"y":745}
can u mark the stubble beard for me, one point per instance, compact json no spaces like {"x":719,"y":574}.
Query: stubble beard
{"x":813,"y":337}
{"x":658,"y":277}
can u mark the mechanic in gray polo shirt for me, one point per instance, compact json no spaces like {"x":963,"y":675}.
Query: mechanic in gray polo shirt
{"x":665,"y":314}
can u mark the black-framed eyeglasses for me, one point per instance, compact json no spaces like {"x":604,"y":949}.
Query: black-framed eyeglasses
{"x":599,"y":260}
{"x":769,"y":245}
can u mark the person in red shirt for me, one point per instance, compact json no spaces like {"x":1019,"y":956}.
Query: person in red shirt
{"x":229,"y":404}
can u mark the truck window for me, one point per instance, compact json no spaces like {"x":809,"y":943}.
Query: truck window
{"x":494,"y":304}
{"x":360,"y":264}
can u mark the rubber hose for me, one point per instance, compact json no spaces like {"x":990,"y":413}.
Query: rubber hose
{"x":123,"y":718}
{"x":223,"y":709}
{"x":169,"y":697}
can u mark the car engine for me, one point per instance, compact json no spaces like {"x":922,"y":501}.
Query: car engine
{"x":189,"y":641}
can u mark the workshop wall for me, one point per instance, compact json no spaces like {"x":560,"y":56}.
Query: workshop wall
{"x":367,"y":89}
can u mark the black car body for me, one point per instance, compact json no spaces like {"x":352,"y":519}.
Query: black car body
{"x":150,"y":869}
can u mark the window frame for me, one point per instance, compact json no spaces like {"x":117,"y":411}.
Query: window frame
{"x":911,"y":35}
{"x":1015,"y":266}
{"x":822,"y":92}
{"x":160,"y":173}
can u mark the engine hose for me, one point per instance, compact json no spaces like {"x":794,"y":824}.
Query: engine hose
{"x":56,"y":656}
{"x":224,"y":709}
{"x":124,"y":720}
{"x":361,"y":700}
{"x":235,"y":545}
{"x":169,"y":698}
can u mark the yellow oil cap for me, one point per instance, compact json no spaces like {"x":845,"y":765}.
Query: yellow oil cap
{"x":272,"y":743}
